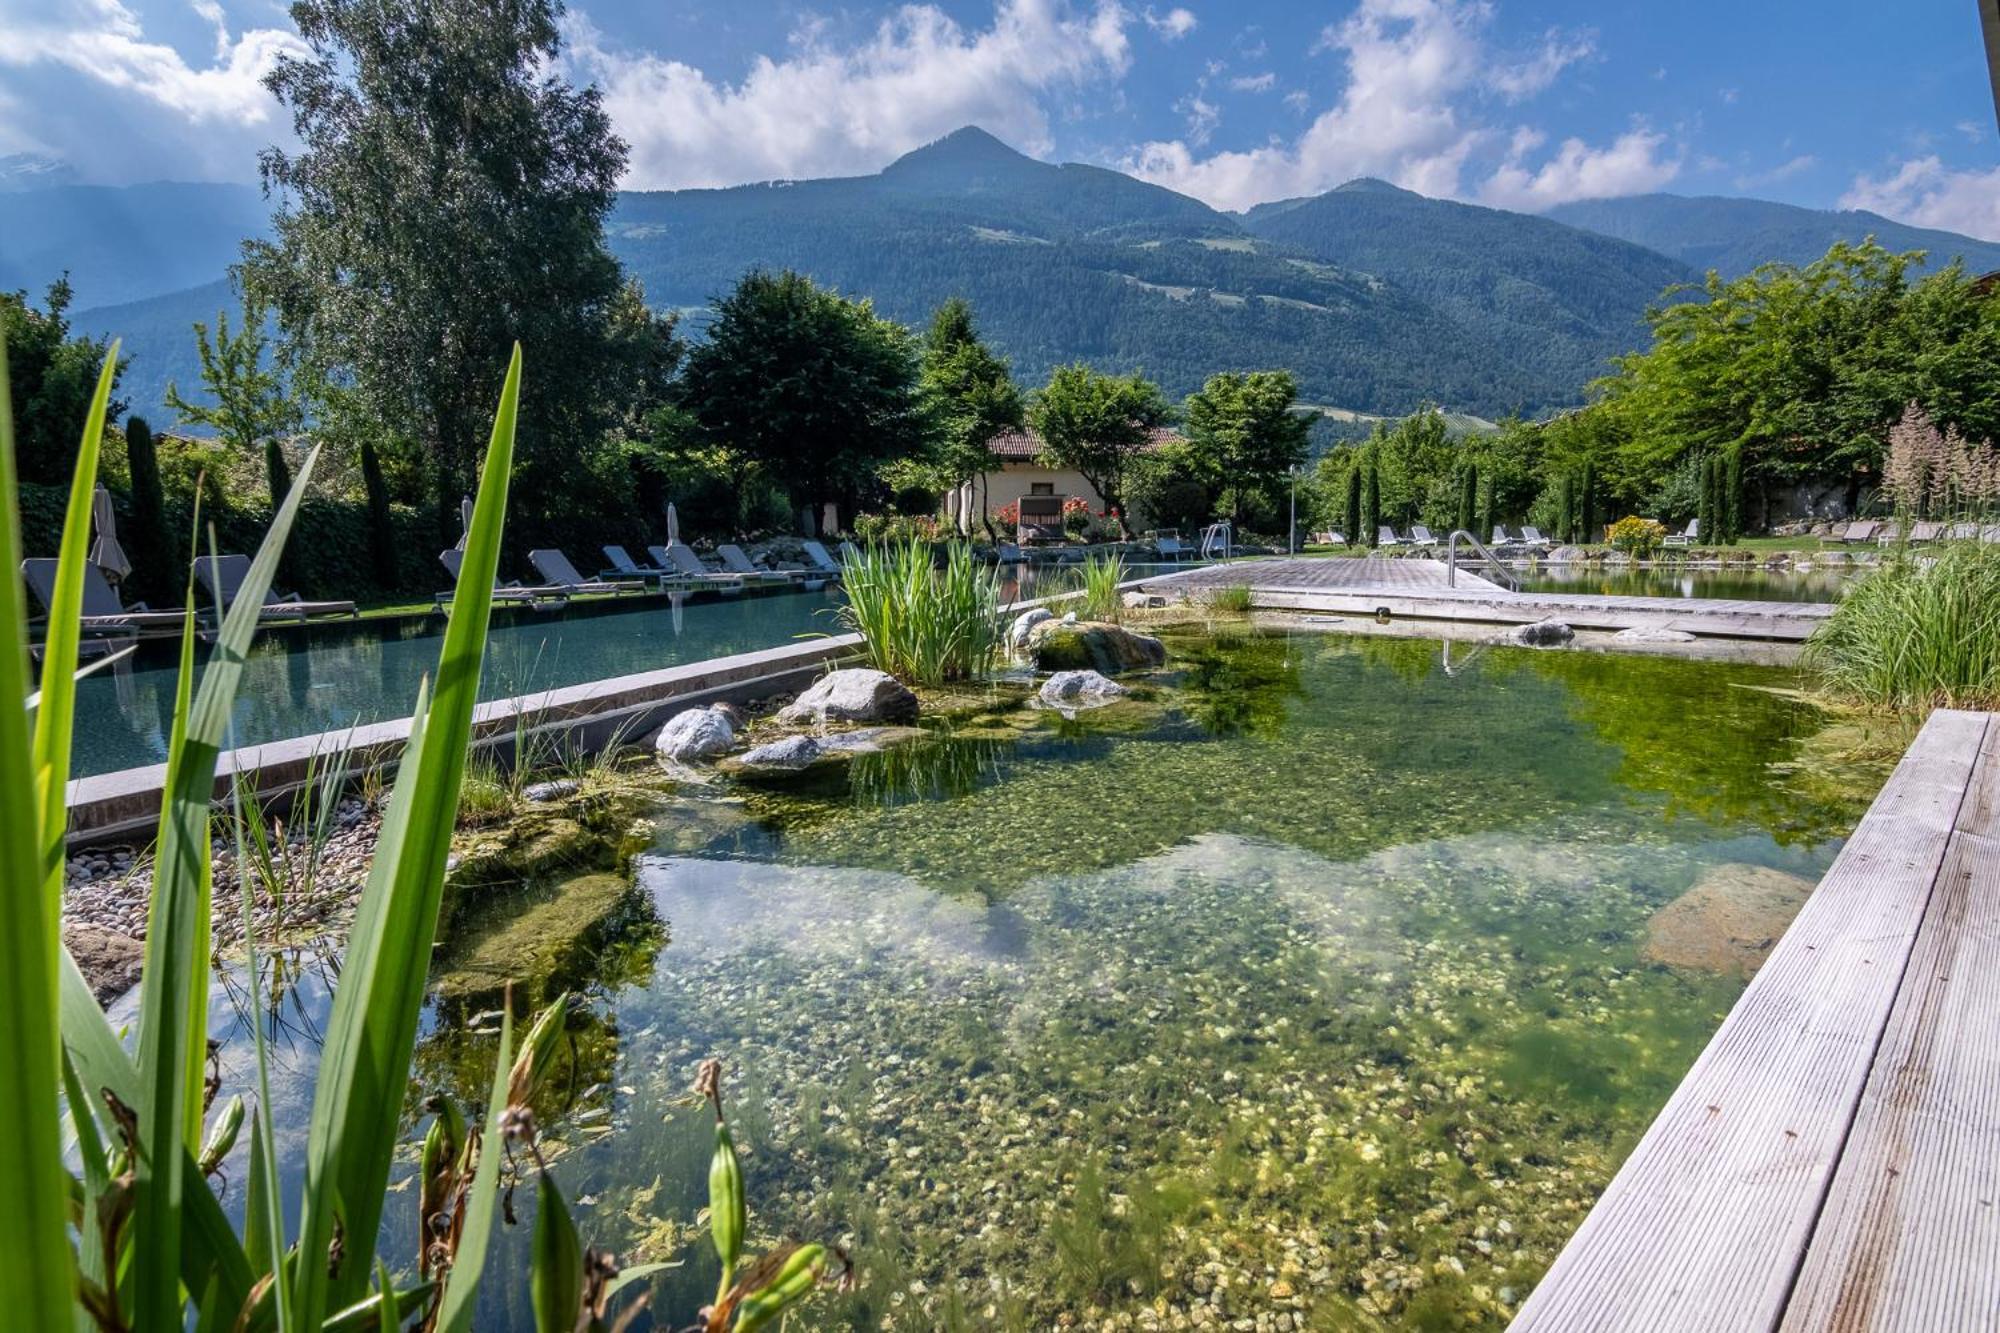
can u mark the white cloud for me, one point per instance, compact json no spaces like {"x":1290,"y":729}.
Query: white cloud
{"x":1632,"y":164}
{"x":1202,"y":116}
{"x":1418,"y":72}
{"x":1783,"y":171}
{"x":826,"y":110}
{"x":1972,"y":130}
{"x":1299,"y":101}
{"x":103,"y":40}
{"x":1255,"y":83}
{"x":1172,"y":25}
{"x":1926,"y":193}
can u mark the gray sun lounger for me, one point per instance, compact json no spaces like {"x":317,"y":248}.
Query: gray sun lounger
{"x":511,"y":591}
{"x":1687,"y":537}
{"x":686,"y":568}
{"x":555,"y":567}
{"x":1865,"y":531}
{"x":1421,"y":536}
{"x":103,"y":613}
{"x":824,"y":563}
{"x":1532,"y":536}
{"x":222,"y":576}
{"x":1386,"y":536}
{"x":736,"y":561}
{"x":626,"y":567}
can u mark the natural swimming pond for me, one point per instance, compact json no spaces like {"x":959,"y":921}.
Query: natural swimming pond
{"x":1755,"y":585}
{"x":1311,"y":986}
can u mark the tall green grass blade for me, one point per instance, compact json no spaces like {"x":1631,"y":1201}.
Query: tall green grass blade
{"x":461,"y":1285}
{"x":357,"y":1107}
{"x":37,"y":1269}
{"x":173,"y":992}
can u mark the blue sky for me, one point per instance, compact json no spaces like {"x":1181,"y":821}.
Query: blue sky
{"x":1520,"y":103}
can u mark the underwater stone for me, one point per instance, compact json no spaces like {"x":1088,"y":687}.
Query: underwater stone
{"x":1648,"y":634}
{"x":1543,"y":634}
{"x":1089,"y":645}
{"x":856,"y":694}
{"x":1728,"y":921}
{"x":541,"y":793}
{"x":866,"y":740}
{"x":1069,"y":687}
{"x":109,"y":961}
{"x":791,"y":754}
{"x":697,"y":733}
{"x":1017,"y":633}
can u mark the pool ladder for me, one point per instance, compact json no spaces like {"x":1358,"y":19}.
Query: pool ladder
{"x":1505,"y":576}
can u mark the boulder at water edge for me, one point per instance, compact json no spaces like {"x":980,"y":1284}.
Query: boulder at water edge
{"x":1728,"y":921}
{"x":698,"y":733}
{"x":857,"y":694}
{"x":1079,"y":689}
{"x":1090,"y":645}
{"x":1017,"y":633}
{"x":785,"y":756}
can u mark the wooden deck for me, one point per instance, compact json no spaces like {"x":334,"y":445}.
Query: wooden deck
{"x":1418,"y":589}
{"x":1832,"y":1160}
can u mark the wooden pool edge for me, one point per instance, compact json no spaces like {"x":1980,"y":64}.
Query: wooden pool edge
{"x":1832,"y":1159}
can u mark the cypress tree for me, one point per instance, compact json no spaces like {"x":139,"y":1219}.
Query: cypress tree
{"x":1566,"y":508}
{"x":1354,"y":505}
{"x":1468,"y":496}
{"x":1371,"y":502}
{"x":1704,"y":506}
{"x":277,"y":472}
{"x":1732,"y":495}
{"x":1492,"y":517}
{"x":155,"y":569}
{"x":381,"y":528}
{"x":1586,"y":506}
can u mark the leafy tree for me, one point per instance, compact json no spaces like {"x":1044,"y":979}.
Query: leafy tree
{"x":815,"y":387}
{"x":1704,"y":514}
{"x":1244,"y":436}
{"x":447,"y":200}
{"x":252,"y":410}
{"x":1732,"y":495}
{"x":969,"y":395}
{"x":1098,"y":424}
{"x":51,"y":378}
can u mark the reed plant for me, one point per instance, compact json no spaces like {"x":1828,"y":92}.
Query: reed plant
{"x":1098,"y":580}
{"x":1920,"y":632}
{"x":111,"y":1221}
{"x":921,"y":623}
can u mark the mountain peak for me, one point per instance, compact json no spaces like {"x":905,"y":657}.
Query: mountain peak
{"x":967,"y":156}
{"x":1372,"y":185}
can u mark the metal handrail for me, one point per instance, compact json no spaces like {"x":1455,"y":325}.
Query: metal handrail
{"x":1492,"y":561}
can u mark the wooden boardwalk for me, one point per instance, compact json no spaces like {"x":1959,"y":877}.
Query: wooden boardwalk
{"x":1417,"y":588}
{"x":1832,"y":1160}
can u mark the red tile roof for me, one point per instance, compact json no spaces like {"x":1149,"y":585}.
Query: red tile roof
{"x":1020,"y":446}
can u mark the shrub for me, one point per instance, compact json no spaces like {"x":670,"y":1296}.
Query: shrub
{"x":1637,"y":537}
{"x":891,"y":529}
{"x":920,"y":623}
{"x":1919,"y":632}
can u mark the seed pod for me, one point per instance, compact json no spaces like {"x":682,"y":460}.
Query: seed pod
{"x":728,"y":1215}
{"x":222,"y":1136}
{"x":801,"y":1272}
{"x":538,"y":1052}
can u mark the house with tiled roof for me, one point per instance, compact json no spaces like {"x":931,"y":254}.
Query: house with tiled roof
{"x":1023,"y":477}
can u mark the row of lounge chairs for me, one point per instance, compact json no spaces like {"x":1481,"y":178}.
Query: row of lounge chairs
{"x":221,"y":579}
{"x":1883,"y":532}
{"x":674,"y":565}
{"x":1420,"y":537}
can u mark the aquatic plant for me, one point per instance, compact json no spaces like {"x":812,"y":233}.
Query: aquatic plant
{"x":918,"y":622}
{"x":1920,"y":632}
{"x":1099,"y":578}
{"x":1232,"y":599}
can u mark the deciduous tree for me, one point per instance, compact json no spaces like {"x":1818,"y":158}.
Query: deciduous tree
{"x":252,"y":411}
{"x":1097,"y":424}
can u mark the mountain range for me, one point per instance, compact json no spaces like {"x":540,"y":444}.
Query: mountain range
{"x":1377,"y":298}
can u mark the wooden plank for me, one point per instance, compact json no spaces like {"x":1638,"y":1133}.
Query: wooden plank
{"x":1705,"y":1226}
{"x":1909,"y":1239}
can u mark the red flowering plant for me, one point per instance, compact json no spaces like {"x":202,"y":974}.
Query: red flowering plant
{"x":1008,"y":515}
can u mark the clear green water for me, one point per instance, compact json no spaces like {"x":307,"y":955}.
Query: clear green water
{"x":1752,"y":585}
{"x":1312,"y":980}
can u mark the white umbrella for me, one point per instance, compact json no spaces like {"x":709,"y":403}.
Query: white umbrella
{"x":107,"y":554}
{"x":465,"y":517}
{"x":673,"y":525}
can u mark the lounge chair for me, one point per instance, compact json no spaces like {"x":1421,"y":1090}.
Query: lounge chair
{"x":1500,"y":538}
{"x":688,"y":569}
{"x":1862,"y":532}
{"x":1009,"y":553}
{"x":1961,"y":532}
{"x":103,"y":613}
{"x":626,"y":567}
{"x":1531,"y":536}
{"x":1889,"y":535}
{"x":511,"y":591}
{"x":1174,"y":549}
{"x":736,"y":561}
{"x":849,"y":551}
{"x":821,"y":561}
{"x":222,"y":576}
{"x":555,"y":567}
{"x":1688,"y":536}
{"x":1421,"y":535}
{"x":1835,"y":534}
{"x":1386,"y":536}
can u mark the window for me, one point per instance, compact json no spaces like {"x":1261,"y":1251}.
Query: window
{"x":1041,"y":488}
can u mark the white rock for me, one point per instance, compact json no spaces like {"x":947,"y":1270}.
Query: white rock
{"x":857,"y":694}
{"x":1075,"y":687}
{"x":791,"y":753}
{"x":1017,"y":633}
{"x":698,"y":733}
